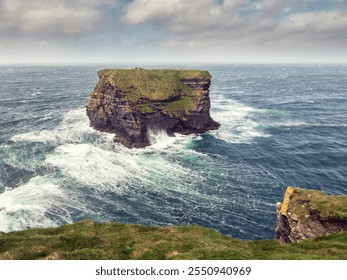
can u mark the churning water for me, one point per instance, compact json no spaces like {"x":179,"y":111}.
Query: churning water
{"x":280,"y":125}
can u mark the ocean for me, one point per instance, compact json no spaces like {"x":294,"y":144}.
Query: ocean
{"x":281,"y":125}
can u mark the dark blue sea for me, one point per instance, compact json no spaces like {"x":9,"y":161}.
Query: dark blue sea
{"x":281,"y":125}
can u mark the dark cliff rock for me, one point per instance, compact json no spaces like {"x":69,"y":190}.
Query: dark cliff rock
{"x":133,"y":102}
{"x":309,"y":214}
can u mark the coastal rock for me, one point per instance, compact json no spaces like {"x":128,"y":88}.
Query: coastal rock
{"x":133,"y":103}
{"x":309,"y":214}
{"x":12,"y":177}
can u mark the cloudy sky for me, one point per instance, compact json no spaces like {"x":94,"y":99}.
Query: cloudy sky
{"x":179,"y":31}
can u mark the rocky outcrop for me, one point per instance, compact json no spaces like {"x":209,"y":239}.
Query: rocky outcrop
{"x":133,"y":102}
{"x":309,"y":214}
{"x":12,"y":177}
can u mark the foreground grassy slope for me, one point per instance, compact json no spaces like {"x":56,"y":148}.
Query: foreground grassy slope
{"x":89,"y":240}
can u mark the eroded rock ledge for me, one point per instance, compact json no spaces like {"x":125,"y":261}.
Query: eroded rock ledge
{"x":309,"y":214}
{"x":133,"y":102}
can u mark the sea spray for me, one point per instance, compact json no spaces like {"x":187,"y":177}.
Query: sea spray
{"x":159,"y":138}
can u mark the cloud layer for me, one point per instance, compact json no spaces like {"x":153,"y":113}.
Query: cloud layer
{"x":50,"y":16}
{"x":196,"y":30}
{"x":258,"y":21}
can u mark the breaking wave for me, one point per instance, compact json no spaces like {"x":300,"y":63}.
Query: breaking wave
{"x":30,"y":204}
{"x":238,"y":124}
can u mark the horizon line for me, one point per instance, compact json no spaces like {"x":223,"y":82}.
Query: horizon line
{"x":27,"y":64}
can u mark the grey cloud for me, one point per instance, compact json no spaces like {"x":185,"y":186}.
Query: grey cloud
{"x":237,"y":22}
{"x":189,"y":30}
{"x":47,"y":30}
{"x":50,"y":16}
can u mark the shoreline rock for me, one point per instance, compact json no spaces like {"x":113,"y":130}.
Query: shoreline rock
{"x":307,"y":214}
{"x":133,"y":102}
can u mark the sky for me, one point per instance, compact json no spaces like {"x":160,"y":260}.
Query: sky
{"x":172,"y":31}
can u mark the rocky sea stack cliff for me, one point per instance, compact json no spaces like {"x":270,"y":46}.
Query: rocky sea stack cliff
{"x":132,"y":103}
{"x":307,"y":214}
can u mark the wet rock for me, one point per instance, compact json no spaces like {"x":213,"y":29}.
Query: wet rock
{"x":12,"y":177}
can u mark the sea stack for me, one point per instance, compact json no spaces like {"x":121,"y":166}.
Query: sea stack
{"x":309,"y":214}
{"x":131,"y":103}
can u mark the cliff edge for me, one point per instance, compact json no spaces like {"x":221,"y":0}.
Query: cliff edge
{"x":309,"y":214}
{"x":88,"y":240}
{"x":303,"y":214}
{"x":133,"y":102}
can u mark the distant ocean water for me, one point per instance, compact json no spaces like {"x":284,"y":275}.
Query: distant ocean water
{"x":280,"y":125}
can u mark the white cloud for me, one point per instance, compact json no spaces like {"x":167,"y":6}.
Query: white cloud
{"x":189,"y":30}
{"x":237,"y":21}
{"x":51,"y":16}
{"x":324,"y":21}
{"x":176,"y":15}
{"x":141,"y":11}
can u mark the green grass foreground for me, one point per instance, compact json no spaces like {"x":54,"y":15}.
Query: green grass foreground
{"x":92,"y":241}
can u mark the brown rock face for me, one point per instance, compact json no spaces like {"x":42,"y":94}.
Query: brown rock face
{"x":309,"y":214}
{"x":131,"y":103}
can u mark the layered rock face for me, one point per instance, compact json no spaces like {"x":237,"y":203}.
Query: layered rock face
{"x":133,"y":102}
{"x":308,"y":214}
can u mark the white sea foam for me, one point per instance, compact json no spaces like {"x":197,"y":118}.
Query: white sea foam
{"x":237,"y":123}
{"x":94,"y":166}
{"x":92,"y":160}
{"x":28,"y":205}
{"x":37,"y":92}
{"x":116,"y":170}
{"x":290,"y":124}
{"x":306,"y":124}
{"x":100,"y":163}
{"x":74,"y":128}
{"x":160,"y":139}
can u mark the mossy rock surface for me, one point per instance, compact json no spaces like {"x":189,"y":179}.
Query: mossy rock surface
{"x":303,"y":202}
{"x":154,"y":85}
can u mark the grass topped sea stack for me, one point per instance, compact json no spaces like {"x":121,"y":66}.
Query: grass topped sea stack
{"x":133,"y":102}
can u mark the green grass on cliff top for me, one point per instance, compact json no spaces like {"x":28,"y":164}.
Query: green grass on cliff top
{"x":329,"y":206}
{"x":155,"y":85}
{"x":89,"y":240}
